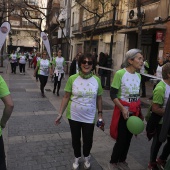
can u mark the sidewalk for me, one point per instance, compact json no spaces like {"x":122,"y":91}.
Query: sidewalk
{"x":33,"y":142}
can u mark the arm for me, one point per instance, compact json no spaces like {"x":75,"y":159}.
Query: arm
{"x":7,"y":100}
{"x":63,"y":106}
{"x":113,"y":95}
{"x":156,"y":108}
{"x":37,"y":67}
{"x":99,"y":106}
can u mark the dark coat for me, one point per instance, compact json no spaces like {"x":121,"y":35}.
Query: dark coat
{"x":73,"y":67}
{"x":102,"y":63}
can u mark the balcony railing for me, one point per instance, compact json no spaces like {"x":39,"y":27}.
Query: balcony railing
{"x":105,"y":21}
{"x":77,"y":29}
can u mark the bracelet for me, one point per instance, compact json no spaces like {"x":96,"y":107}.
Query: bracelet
{"x":100,"y":112}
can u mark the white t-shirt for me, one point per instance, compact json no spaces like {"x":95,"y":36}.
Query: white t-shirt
{"x":22,"y":59}
{"x":82,"y":104}
{"x":43,"y":67}
{"x":159,"y":71}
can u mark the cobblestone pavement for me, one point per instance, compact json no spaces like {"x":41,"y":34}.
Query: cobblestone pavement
{"x":33,"y":142}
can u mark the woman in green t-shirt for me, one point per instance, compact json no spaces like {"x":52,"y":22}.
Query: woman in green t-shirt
{"x":160,"y":97}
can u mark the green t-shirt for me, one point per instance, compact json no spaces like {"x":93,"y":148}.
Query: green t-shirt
{"x":82,"y":103}
{"x":4,"y":91}
{"x":161,"y":94}
{"x":128,"y":85}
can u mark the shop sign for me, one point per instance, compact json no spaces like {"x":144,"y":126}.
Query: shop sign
{"x":159,"y":36}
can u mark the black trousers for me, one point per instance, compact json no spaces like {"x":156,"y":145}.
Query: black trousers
{"x":143,"y":80}
{"x":121,"y":147}
{"x":22,"y":68}
{"x":13,"y":67}
{"x":87,"y":132}
{"x":156,"y":144}
{"x":43,"y":82}
{"x":57,"y":83}
{"x":2,"y":155}
{"x":36,"y":76}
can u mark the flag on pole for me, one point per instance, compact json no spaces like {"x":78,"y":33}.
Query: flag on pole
{"x":46,"y":43}
{"x":4,"y":30}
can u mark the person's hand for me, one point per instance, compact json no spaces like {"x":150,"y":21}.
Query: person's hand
{"x":125,"y":113}
{"x":34,"y":75}
{"x":57,"y":121}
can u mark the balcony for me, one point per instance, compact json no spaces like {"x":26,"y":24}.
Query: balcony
{"x":77,"y":29}
{"x":105,"y":22}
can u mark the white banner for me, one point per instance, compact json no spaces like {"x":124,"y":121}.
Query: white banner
{"x":46,"y":43}
{"x":4,"y":30}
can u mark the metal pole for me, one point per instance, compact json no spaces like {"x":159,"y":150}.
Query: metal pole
{"x":139,"y":24}
{"x":111,"y":48}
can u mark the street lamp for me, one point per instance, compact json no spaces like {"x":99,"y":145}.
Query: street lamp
{"x":115,"y":3}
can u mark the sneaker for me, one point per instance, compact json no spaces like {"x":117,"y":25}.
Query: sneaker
{"x":87,"y":162}
{"x":123,"y":166}
{"x":76,"y":163}
{"x":113,"y":166}
{"x":153,"y":166}
{"x":160,"y":163}
{"x":54,"y":91}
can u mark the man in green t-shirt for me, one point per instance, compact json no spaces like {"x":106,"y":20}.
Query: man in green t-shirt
{"x":7,"y":100}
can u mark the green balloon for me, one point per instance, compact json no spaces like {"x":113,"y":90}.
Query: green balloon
{"x":135,"y":125}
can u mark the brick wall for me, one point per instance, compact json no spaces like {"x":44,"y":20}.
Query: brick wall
{"x":167,"y":39}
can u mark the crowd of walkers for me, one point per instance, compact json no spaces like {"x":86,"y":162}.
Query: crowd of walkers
{"x":83,"y":98}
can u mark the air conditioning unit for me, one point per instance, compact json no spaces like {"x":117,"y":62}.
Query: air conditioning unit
{"x":133,"y":17}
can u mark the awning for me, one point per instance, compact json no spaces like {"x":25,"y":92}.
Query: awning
{"x":148,"y":27}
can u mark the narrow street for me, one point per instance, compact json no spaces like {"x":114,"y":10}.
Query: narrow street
{"x":33,"y":142}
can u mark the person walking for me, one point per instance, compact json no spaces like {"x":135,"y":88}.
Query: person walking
{"x":144,"y":70}
{"x":13,"y":60}
{"x":44,"y":68}
{"x":36,"y":58}
{"x":82,"y":91}
{"x":160,"y":97}
{"x":74,"y":65}
{"x":58,"y":67}
{"x":102,"y":72}
{"x":22,"y":62}
{"x":125,"y":95}
{"x":158,"y":73}
{"x":7,"y":100}
{"x":30,"y":57}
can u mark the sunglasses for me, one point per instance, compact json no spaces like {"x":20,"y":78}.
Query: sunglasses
{"x":87,"y":62}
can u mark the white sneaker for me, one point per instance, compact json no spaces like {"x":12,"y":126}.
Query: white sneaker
{"x":87,"y":163}
{"x":76,"y":163}
{"x":123,"y":166}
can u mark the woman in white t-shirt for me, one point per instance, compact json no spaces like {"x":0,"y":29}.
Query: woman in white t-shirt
{"x":22,"y":62}
{"x":58,"y":65}
{"x":82,"y":98}
{"x":43,"y":67}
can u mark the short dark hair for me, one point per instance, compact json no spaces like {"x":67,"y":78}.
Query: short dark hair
{"x":166,"y":71}
{"x":90,"y":57}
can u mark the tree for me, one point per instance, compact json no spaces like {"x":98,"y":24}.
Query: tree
{"x":95,"y":9}
{"x":35,"y":14}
